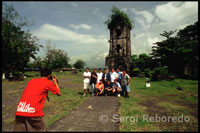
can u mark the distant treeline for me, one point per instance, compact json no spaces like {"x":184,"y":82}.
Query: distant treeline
{"x":173,"y":57}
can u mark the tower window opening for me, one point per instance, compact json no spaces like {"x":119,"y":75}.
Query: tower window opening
{"x":118,"y":48}
{"x":118,"y":33}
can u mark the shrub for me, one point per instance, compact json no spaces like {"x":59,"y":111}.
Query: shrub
{"x":147,"y":73}
{"x":159,"y":73}
{"x":136,"y":72}
{"x":141,"y":75}
{"x":118,"y":17}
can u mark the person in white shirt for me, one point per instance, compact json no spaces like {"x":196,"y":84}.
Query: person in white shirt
{"x":119,"y":76}
{"x":99,"y":75}
{"x":113,"y":76}
{"x":86,"y":80}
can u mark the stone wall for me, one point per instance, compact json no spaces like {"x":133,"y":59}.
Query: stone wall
{"x":120,"y":49}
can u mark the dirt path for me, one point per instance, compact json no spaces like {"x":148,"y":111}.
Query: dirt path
{"x":95,"y":114}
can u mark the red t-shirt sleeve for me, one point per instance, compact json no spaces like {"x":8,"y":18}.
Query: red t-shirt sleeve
{"x":52,"y":88}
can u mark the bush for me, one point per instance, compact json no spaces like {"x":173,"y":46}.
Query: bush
{"x":119,"y":17}
{"x":159,"y":73}
{"x":171,"y":77}
{"x":141,"y":75}
{"x":147,"y":73}
{"x":136,"y":72}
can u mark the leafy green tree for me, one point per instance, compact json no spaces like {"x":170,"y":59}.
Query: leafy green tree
{"x":55,"y":58}
{"x":148,"y":73}
{"x":168,"y":34}
{"x":159,"y":73}
{"x":37,"y":63}
{"x":179,"y":53}
{"x":18,"y":46}
{"x":143,"y":61}
{"x":118,"y":17}
{"x":79,"y":64}
{"x":136,"y":71}
{"x":189,"y":37}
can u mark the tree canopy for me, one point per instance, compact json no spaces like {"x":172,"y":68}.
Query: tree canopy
{"x":118,"y":17}
{"x":54,"y":58}
{"x":18,"y":46}
{"x":79,"y":64}
{"x":179,"y":53}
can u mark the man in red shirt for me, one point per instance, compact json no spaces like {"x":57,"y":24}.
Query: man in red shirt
{"x":29,"y":115}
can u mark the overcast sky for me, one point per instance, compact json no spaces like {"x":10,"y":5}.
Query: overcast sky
{"x":79,"y":29}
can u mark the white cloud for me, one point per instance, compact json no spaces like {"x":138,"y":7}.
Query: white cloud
{"x":52,"y":32}
{"x":183,"y":26}
{"x":143,"y":17}
{"x":153,"y":40}
{"x":93,"y":49}
{"x":96,"y":59}
{"x":96,"y":11}
{"x":176,"y":11}
{"x":125,"y":9}
{"x":140,"y":35}
{"x":99,"y":13}
{"x":81,"y":26}
{"x":165,"y":17}
{"x":90,"y":48}
{"x":74,"y":4}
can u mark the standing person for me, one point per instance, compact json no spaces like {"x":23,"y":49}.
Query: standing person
{"x":125,"y":84}
{"x":113,"y":76}
{"x":99,"y":75}
{"x":116,"y":88}
{"x":105,"y":76}
{"x":86,"y":80}
{"x":29,"y":115}
{"x":119,"y":76}
{"x":93,"y":81}
{"x":100,"y":88}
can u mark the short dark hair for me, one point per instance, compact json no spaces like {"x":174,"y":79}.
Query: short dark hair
{"x":100,"y":69}
{"x":45,"y":72}
{"x":124,"y":70}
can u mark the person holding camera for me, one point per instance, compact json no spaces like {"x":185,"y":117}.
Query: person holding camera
{"x":29,"y":115}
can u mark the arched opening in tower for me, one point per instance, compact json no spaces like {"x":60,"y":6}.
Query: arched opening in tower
{"x":118,"y":33}
{"x":118,"y":48}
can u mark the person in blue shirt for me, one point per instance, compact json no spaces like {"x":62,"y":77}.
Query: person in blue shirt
{"x":116,"y":88}
{"x":119,"y":76}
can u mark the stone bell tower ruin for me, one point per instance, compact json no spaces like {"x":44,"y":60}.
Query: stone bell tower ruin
{"x":120,"y":49}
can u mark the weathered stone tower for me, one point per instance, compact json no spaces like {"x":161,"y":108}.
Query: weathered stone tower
{"x":120,"y":49}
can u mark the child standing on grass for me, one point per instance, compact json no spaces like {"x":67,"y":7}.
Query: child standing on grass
{"x":29,"y":115}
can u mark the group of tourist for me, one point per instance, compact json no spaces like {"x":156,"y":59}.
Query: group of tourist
{"x":114,"y":83}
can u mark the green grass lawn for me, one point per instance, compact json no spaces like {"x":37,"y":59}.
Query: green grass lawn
{"x":163,"y":99}
{"x":58,"y":106}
